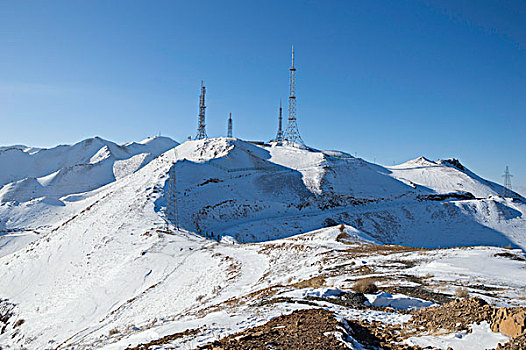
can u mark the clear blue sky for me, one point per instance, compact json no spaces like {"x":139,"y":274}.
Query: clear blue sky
{"x":390,"y":80}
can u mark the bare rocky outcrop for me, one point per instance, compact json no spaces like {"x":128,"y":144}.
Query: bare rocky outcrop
{"x":452,"y":317}
{"x":459,"y":314}
{"x":303,"y":329}
{"x":509,"y":321}
{"x":312,"y":329}
{"x":518,"y":343}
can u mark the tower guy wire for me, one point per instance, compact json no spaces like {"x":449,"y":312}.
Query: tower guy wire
{"x":292,"y":133}
{"x":201,"y":126}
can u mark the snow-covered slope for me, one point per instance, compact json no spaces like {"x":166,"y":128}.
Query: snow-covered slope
{"x":260,"y":192}
{"x":33,"y":181}
{"x":255,"y":193}
{"x":80,"y":262}
{"x":445,"y":176}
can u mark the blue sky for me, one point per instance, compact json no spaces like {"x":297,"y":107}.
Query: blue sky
{"x":388,"y":80}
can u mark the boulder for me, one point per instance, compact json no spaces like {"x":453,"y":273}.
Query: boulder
{"x":509,"y":321}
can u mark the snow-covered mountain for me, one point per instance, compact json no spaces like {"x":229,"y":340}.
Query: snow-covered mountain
{"x":66,"y":169}
{"x":256,"y":192}
{"x":87,"y":244}
{"x":36,"y":181}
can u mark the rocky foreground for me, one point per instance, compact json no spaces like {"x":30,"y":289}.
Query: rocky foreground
{"x":321,"y":329}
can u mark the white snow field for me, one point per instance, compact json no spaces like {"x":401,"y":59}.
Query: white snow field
{"x":480,"y":337}
{"x":89,"y":259}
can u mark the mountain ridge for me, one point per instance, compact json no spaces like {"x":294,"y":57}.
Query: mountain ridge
{"x":226,"y":186}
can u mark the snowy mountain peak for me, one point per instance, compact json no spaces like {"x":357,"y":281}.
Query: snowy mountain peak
{"x":157,"y":139}
{"x":207,"y":149}
{"x":420,"y":161}
{"x":27,"y":173}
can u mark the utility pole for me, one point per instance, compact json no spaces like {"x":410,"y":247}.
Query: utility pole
{"x":201,"y":131}
{"x":229,"y":130}
{"x":292,"y":133}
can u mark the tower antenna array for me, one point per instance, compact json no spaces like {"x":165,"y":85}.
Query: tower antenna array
{"x":507,"y":183}
{"x":279,"y":135}
{"x":201,"y":131}
{"x":292,"y":133}
{"x":229,"y":130}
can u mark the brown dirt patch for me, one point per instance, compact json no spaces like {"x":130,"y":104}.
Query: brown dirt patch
{"x":164,"y":340}
{"x":311,"y":329}
{"x":303,"y":329}
{"x":315,"y":282}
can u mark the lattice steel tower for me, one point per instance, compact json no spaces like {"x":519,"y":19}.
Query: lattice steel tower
{"x":201,"y":131}
{"x":279,"y":135}
{"x":292,"y":133}
{"x":507,"y":183}
{"x":229,"y":130}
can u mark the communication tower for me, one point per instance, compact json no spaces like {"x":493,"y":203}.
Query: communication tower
{"x":292,"y":133}
{"x":279,"y":135}
{"x":229,"y":130}
{"x":201,"y":131}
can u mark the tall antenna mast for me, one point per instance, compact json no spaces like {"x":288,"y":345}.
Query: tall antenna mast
{"x":279,"y":135}
{"x":201,"y":131}
{"x":229,"y":131}
{"x":507,"y":183}
{"x":292,"y":134}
